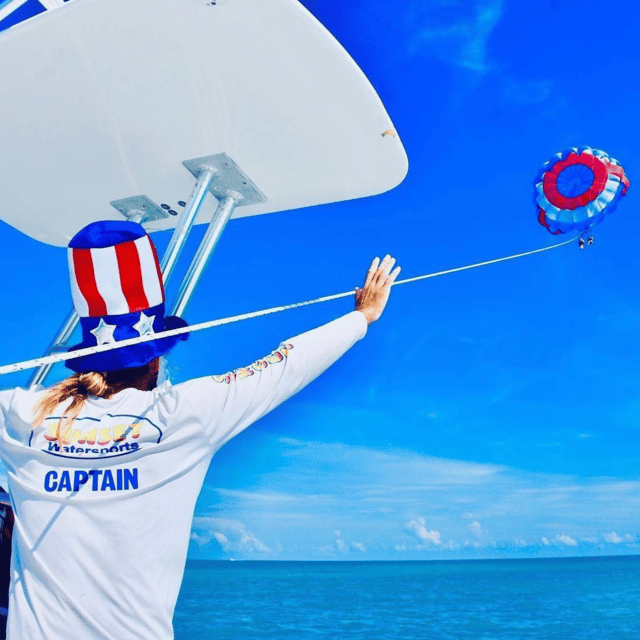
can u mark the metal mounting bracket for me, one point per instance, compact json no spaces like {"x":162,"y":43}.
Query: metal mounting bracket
{"x":228,"y":179}
{"x":140,"y":209}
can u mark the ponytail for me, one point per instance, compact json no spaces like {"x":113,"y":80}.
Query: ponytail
{"x":80,"y":386}
{"x":77,"y":388}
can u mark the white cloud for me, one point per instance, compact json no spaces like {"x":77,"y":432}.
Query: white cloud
{"x":200,"y":539}
{"x":456,"y":32}
{"x":258,"y":496}
{"x":565,"y":539}
{"x":613,"y":538}
{"x":418,"y":528}
{"x":221,"y":539}
{"x":232,"y":536}
{"x":341,"y":546}
{"x":317,"y":492}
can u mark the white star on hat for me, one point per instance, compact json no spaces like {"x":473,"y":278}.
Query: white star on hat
{"x":104,"y":332}
{"x":145,"y":325}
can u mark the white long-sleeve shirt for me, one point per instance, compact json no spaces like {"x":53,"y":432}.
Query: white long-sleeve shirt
{"x":103,"y":522}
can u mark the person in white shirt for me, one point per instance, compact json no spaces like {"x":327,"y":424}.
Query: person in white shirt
{"x":97,"y":462}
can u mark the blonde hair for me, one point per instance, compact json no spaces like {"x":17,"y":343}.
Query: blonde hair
{"x":77,"y":388}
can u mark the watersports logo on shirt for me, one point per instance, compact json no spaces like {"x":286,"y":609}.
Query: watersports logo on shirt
{"x":259,"y":365}
{"x":89,"y":438}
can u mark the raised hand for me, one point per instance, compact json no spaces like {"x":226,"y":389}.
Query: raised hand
{"x":372,"y":298}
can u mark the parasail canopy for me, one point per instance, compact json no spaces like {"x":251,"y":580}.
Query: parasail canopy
{"x":577,"y":188}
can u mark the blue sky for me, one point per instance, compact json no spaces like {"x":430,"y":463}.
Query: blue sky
{"x":490,"y":413}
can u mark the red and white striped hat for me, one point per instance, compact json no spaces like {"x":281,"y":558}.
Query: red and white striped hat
{"x":116,"y":279}
{"x":117,"y":291}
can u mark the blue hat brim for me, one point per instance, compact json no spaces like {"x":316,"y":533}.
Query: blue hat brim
{"x":129,"y":357}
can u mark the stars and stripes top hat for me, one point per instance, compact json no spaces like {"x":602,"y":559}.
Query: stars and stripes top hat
{"x":117,"y":290}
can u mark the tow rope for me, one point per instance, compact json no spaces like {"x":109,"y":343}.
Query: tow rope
{"x":60,"y":357}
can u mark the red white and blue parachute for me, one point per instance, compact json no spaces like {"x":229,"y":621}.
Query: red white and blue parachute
{"x":577,"y":188}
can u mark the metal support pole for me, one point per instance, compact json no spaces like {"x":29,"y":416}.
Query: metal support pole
{"x":60,"y":341}
{"x":207,"y":245}
{"x":181,"y":232}
{"x":176,"y":244}
{"x":216,"y":173}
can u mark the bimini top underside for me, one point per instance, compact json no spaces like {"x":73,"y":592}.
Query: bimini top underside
{"x":105,"y":99}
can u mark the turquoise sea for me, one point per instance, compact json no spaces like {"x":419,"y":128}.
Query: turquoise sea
{"x":576,"y":598}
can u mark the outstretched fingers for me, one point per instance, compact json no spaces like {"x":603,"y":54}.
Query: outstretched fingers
{"x":373,"y":269}
{"x":385,"y":269}
{"x":372,"y":298}
{"x":391,"y":278}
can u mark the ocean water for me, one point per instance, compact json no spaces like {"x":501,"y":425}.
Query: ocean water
{"x":576,"y":599}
